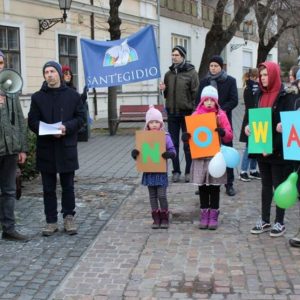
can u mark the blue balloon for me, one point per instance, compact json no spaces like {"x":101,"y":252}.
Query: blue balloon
{"x":231,"y":156}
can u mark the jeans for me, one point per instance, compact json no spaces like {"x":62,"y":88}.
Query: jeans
{"x":271,"y":176}
{"x":229,"y":171}
{"x":246,"y":162}
{"x":8,"y":167}
{"x":175,"y":123}
{"x":50,"y":199}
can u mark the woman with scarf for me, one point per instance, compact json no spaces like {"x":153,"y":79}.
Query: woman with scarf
{"x":228,"y":100}
{"x":273,"y":168}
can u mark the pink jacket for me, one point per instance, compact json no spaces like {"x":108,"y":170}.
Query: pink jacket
{"x":222,"y":119}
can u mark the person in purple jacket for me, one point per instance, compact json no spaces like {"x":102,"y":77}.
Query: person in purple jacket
{"x":157,"y":182}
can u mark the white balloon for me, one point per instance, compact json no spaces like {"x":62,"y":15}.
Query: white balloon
{"x":217,"y":166}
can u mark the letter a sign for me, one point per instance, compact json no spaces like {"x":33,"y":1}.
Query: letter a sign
{"x":151,"y":145}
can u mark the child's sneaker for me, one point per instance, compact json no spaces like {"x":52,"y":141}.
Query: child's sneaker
{"x":244,"y":177}
{"x":260,"y":227}
{"x":277,"y":230}
{"x":254,"y":175}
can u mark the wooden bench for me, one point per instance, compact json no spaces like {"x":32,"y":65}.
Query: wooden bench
{"x":137,"y":113}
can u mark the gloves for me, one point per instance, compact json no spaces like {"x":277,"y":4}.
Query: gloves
{"x":168,"y":154}
{"x":135,"y":153}
{"x":185,"y":137}
{"x":220,"y":131}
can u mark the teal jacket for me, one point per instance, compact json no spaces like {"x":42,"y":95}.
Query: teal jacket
{"x":13,"y":129}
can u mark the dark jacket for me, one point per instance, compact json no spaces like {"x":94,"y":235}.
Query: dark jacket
{"x":249,"y":99}
{"x":51,"y":105}
{"x":13,"y":129}
{"x":228,"y":94}
{"x":284,"y":102}
{"x":181,"y":88}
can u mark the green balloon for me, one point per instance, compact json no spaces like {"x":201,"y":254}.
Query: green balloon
{"x":286,"y":194}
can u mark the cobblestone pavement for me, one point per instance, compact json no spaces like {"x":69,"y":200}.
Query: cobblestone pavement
{"x":116,"y":255}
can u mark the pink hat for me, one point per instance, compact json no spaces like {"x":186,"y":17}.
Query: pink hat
{"x":154,"y":114}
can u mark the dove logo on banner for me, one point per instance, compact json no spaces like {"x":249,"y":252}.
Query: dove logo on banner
{"x":118,"y":62}
{"x":120,"y":55}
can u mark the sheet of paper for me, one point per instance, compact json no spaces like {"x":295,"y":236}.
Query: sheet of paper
{"x":49,"y":129}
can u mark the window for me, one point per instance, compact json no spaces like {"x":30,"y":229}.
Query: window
{"x":68,"y":54}
{"x":10,"y":46}
{"x":180,"y":40}
{"x":247,"y":61}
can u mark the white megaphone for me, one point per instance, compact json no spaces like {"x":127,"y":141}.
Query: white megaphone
{"x":11,"y":81}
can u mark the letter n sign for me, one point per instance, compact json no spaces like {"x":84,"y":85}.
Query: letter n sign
{"x":151,"y":145}
{"x":204,"y":140}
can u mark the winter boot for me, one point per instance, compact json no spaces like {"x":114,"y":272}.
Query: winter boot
{"x":204,"y":218}
{"x":164,"y":219}
{"x":213,"y":219}
{"x":156,"y":219}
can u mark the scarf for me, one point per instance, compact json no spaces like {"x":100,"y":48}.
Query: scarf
{"x":219,"y":77}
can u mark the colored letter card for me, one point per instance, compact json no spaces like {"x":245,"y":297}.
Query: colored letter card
{"x":290,"y":121}
{"x":260,"y":123}
{"x":204,"y":140}
{"x":151,"y":145}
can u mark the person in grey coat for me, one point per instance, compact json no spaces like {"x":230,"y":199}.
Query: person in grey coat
{"x":13,"y":147}
{"x":55,"y":102}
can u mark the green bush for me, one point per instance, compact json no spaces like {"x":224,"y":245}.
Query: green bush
{"x":28,"y":169}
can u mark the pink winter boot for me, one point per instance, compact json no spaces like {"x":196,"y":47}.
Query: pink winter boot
{"x":164,"y":219}
{"x":213,"y":219}
{"x":156,"y":219}
{"x":204,"y":218}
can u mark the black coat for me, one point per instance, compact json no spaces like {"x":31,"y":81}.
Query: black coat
{"x":284,"y":102}
{"x":249,"y":99}
{"x":228,"y":94}
{"x":51,"y":105}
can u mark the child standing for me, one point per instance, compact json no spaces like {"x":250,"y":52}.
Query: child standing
{"x":157,"y":182}
{"x":209,"y":187}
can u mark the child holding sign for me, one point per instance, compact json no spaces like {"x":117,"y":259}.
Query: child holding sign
{"x":209,"y":187}
{"x":157,"y":182}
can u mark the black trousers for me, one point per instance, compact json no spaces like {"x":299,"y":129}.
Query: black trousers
{"x":50,"y":199}
{"x":229,"y":171}
{"x":271,"y":176}
{"x":175,"y":124}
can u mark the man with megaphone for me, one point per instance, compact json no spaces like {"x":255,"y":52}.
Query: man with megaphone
{"x":13,"y":147}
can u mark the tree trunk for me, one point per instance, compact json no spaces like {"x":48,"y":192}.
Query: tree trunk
{"x":112,"y":110}
{"x":115,"y":33}
{"x":262,"y":54}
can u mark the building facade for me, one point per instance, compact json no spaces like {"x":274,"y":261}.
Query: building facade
{"x":27,"y":47}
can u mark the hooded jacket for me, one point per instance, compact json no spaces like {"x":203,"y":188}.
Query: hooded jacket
{"x":181,"y":89}
{"x":278,"y":101}
{"x":52,"y":105}
{"x":221,"y":116}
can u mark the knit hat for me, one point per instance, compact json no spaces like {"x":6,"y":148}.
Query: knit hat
{"x":209,"y":92}
{"x":217,"y":59}
{"x":65,"y":68}
{"x":154,"y":114}
{"x":298,"y":75}
{"x":55,"y":65}
{"x":1,"y":54}
{"x":181,"y":50}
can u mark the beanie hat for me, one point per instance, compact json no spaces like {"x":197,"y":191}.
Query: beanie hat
{"x":298,"y":75}
{"x":181,"y":50}
{"x":154,"y":114}
{"x":55,"y":65}
{"x":1,"y":54}
{"x":65,"y":68}
{"x":209,"y":92}
{"x":217,"y":59}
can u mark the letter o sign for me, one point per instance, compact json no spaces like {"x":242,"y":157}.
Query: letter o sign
{"x":208,"y":140}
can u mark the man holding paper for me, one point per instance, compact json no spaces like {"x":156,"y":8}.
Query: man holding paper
{"x":55,"y":116}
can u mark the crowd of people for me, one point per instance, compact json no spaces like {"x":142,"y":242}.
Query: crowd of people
{"x":58,"y":102}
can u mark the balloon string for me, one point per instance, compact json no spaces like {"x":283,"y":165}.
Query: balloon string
{"x":298,"y":169}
